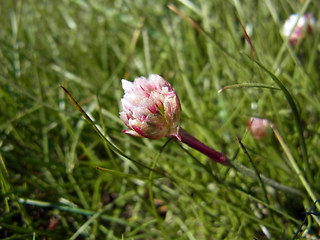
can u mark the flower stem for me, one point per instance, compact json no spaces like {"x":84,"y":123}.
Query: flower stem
{"x":199,"y":146}
{"x":222,"y":159}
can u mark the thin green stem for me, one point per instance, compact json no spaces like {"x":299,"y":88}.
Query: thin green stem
{"x":295,"y":113}
{"x":75,"y":210}
{"x":257,"y":174}
{"x":249,"y":85}
{"x":150,"y":187}
{"x":250,"y":173}
{"x":295,"y":167}
{"x":91,"y":220}
{"x":110,"y":144}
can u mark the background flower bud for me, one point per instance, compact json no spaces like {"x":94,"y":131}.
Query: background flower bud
{"x":298,"y":29}
{"x":258,"y":127}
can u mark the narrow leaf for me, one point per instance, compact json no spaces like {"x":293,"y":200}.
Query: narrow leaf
{"x":249,"y":85}
{"x":120,"y":174}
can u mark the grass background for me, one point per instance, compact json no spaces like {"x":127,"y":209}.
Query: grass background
{"x":50,"y":188}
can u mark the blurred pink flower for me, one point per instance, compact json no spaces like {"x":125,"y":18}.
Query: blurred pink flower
{"x":151,"y":109}
{"x":298,"y":27}
{"x":258,"y":127}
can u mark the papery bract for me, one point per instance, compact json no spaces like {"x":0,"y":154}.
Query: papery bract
{"x":151,"y":108}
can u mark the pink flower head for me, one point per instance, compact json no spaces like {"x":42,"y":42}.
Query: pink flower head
{"x":298,"y":28}
{"x":151,"y":108}
{"x":258,"y":127}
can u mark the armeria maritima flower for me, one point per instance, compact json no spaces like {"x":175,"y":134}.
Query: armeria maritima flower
{"x":298,"y":27}
{"x":151,"y":109}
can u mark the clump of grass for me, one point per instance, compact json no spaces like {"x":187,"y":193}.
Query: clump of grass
{"x":60,"y":180}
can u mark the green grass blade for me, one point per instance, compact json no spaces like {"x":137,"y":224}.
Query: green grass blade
{"x":121,"y":174}
{"x":295,"y":113}
{"x":249,"y":85}
{"x":112,"y":146}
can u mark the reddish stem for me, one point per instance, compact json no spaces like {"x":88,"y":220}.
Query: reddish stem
{"x":199,"y":146}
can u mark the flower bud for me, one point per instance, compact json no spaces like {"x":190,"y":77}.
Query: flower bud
{"x":151,"y":108}
{"x":298,"y":28}
{"x":258,"y":127}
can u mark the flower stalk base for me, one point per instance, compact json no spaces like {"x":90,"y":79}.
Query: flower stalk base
{"x":201,"y":147}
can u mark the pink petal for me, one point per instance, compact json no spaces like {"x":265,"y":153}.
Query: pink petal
{"x":131,"y":133}
{"x":126,"y":85}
